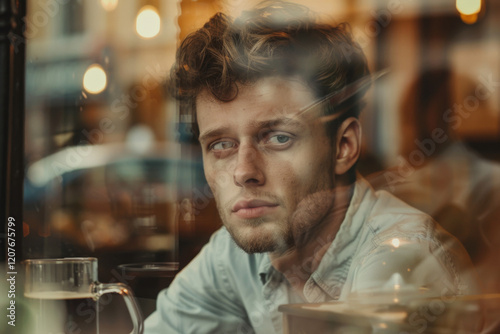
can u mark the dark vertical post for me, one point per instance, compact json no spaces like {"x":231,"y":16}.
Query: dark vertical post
{"x":12,"y":70}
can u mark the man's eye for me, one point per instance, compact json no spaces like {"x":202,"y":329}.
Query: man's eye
{"x":222,"y":145}
{"x":279,"y":139}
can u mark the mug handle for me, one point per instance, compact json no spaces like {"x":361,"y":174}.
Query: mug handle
{"x":99,"y":289}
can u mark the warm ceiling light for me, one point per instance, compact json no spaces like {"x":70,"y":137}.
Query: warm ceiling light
{"x":469,"y":10}
{"x":147,"y":23}
{"x":94,"y":79}
{"x":109,"y":5}
{"x":468,"y":7}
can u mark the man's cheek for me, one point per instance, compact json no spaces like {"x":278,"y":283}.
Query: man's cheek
{"x":311,"y":210}
{"x":221,"y":180}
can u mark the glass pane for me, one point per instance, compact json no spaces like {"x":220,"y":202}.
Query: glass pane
{"x":113,"y":170}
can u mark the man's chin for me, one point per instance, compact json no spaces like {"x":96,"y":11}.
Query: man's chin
{"x":258,"y":240}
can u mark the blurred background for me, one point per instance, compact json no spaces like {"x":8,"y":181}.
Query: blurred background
{"x":111,"y":170}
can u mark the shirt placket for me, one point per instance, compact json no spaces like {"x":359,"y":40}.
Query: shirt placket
{"x":275,"y":294}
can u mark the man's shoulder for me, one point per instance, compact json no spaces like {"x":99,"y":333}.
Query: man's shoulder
{"x":394,"y":233}
{"x":393,"y":222}
{"x":388,"y":215}
{"x":386,"y":204}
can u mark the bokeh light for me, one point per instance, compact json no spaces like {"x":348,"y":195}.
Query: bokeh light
{"x":148,"y":23}
{"x":94,"y":79}
{"x":109,"y":5}
{"x":395,"y":242}
{"x":468,"y":7}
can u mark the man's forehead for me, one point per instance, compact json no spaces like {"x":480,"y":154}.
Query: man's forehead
{"x":275,"y":96}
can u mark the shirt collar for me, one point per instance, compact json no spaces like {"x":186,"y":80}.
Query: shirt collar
{"x":335,"y":264}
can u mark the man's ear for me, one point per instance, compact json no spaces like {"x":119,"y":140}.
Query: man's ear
{"x":348,"y":145}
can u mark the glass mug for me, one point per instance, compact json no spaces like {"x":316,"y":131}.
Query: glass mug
{"x":62,"y":292}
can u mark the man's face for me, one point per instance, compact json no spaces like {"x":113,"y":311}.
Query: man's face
{"x":262,"y":157}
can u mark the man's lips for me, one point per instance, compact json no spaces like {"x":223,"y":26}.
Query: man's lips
{"x":252,"y":208}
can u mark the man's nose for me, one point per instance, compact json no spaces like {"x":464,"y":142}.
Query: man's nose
{"x":248,"y":169}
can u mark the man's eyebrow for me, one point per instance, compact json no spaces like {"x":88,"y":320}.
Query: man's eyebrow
{"x":277,"y":122}
{"x":212,"y":133}
{"x":266,"y":124}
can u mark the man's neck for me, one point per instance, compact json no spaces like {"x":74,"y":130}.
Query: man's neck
{"x":300,"y":261}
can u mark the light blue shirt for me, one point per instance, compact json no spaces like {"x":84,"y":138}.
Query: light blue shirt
{"x":381,"y":242}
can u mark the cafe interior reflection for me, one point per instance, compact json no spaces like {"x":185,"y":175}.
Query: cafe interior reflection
{"x":113,"y":172}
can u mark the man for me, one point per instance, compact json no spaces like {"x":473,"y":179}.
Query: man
{"x":275,"y":97}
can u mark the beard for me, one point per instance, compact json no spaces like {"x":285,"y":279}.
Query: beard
{"x":310,"y":215}
{"x":257,"y":235}
{"x":261,"y":236}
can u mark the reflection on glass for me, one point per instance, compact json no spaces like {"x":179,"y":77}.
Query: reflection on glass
{"x":102,"y":168}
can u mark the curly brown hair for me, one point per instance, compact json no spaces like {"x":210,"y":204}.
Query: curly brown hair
{"x":276,"y":38}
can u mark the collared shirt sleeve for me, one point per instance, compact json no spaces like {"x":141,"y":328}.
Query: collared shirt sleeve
{"x":201,"y":298}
